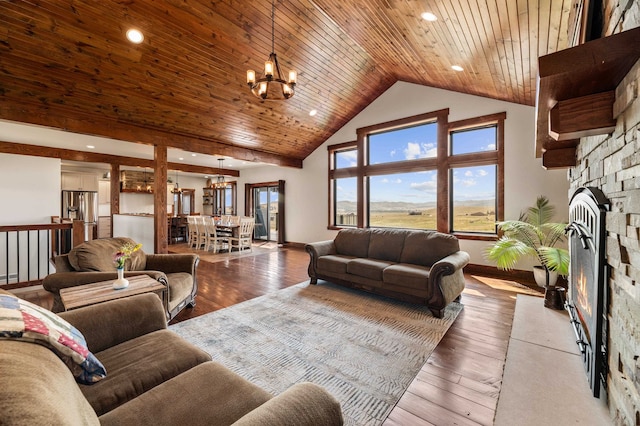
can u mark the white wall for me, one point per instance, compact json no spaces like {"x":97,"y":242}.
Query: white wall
{"x":29,"y":189}
{"x":525,"y":179}
{"x":30,"y":194}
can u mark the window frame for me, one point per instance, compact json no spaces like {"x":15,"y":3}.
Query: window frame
{"x":443,"y":163}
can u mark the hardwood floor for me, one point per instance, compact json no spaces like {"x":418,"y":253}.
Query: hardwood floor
{"x":459,"y":384}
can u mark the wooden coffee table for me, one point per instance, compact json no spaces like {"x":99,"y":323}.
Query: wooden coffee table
{"x":90,"y":294}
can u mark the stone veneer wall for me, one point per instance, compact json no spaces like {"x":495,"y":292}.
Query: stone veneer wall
{"x":612,"y":163}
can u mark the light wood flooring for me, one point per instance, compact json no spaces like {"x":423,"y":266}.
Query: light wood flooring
{"x":461,"y":381}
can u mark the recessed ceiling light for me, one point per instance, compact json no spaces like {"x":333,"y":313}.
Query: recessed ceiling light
{"x":313,"y":112}
{"x":135,"y":36}
{"x":193,"y":155}
{"x":90,"y":146}
{"x":428,"y":16}
{"x":457,"y":68}
{"x":180,"y":158}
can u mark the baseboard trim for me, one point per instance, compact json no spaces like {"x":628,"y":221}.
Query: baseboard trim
{"x":522,"y":277}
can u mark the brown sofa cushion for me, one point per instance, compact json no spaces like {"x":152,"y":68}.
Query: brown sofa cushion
{"x":427,"y":247}
{"x":386,"y":244}
{"x":180,"y":285}
{"x":207,"y":394}
{"x":97,"y":255}
{"x":352,"y":242}
{"x":137,"y":365}
{"x":334,"y":263}
{"x":406,"y":275}
{"x":368,"y":268}
{"x":38,"y":389}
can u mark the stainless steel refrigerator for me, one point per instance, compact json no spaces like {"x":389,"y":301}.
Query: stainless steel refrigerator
{"x":81,"y":205}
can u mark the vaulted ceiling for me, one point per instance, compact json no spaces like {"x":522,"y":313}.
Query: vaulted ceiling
{"x":68,"y":65}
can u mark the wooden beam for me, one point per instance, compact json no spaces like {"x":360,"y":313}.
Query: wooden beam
{"x":593,"y":67}
{"x":115,"y":191}
{"x":94,"y":157}
{"x":160,"y":200}
{"x":559,"y":158}
{"x":584,"y":116}
{"x":117,"y":129}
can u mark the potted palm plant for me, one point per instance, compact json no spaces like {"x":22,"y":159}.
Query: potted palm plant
{"x":533,"y":235}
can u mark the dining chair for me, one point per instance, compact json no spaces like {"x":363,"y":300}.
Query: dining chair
{"x":244,"y":236}
{"x":214,"y":241}
{"x":192,"y":232}
{"x":201,"y":238}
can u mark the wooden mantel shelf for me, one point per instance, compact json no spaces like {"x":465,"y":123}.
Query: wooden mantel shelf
{"x":575,"y":94}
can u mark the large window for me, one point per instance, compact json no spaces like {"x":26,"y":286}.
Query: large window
{"x":403,"y":200}
{"x":421,"y":173}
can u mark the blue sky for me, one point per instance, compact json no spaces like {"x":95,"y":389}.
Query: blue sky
{"x":469,"y":183}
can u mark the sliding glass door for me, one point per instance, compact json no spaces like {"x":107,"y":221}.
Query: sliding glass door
{"x":266,"y":213}
{"x":265,"y":202}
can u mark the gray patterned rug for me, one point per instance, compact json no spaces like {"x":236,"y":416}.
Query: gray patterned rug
{"x":364,"y":349}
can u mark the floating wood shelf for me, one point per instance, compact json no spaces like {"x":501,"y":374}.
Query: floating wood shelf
{"x":576,"y":92}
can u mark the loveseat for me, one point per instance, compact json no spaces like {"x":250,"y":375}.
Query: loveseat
{"x":153,"y":376}
{"x":92,"y":261}
{"x":410,"y":265}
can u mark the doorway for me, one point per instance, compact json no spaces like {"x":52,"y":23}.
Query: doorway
{"x":266,"y":204}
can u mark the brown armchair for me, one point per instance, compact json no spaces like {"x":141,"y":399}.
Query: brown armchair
{"x":93,"y":261}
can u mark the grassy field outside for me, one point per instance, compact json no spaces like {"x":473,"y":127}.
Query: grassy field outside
{"x":466,"y":219}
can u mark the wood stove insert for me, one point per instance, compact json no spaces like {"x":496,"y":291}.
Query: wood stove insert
{"x":587,"y":299}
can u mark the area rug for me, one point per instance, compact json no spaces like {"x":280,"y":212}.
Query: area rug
{"x":364,"y":349}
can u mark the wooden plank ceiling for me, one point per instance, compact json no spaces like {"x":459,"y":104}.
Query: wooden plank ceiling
{"x":67,"y":64}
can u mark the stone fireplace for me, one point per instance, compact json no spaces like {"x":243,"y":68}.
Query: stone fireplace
{"x":611,"y":163}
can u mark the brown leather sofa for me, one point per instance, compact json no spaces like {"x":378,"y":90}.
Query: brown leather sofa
{"x":92,"y":262}
{"x":411,"y":265}
{"x":154,"y":377}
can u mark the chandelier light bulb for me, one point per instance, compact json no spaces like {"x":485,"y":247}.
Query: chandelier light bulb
{"x":268,"y":69}
{"x":293,"y":76}
{"x":251,"y":76}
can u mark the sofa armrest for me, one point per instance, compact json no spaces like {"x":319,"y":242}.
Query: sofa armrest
{"x":110,"y":323}
{"x":320,"y":248}
{"x":315,"y":250}
{"x":59,"y":280}
{"x":303,"y":404}
{"x":172,"y":263}
{"x":449,"y":264}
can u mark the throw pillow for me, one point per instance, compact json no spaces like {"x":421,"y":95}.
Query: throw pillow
{"x":22,"y":320}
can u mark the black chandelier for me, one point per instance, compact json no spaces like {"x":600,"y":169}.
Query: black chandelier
{"x":220,"y":182}
{"x":271,"y":86}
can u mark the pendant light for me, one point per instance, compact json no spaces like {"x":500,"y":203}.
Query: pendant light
{"x":176,"y":186}
{"x":220,"y":182}
{"x":271,"y":86}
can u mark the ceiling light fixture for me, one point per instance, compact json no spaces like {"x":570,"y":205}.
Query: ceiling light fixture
{"x":428,"y":16}
{"x":457,"y":68}
{"x":176,"y":186}
{"x":220,"y":182}
{"x":313,"y":112}
{"x":271,"y":86}
{"x":135,"y":36}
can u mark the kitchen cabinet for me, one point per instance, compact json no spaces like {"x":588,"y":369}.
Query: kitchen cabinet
{"x":104,"y":192}
{"x":79,"y":182}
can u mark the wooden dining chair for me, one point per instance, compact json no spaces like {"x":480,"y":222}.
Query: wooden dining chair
{"x":192,"y":232}
{"x":244,"y":236}
{"x":201,"y":238}
{"x":214,"y":241}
